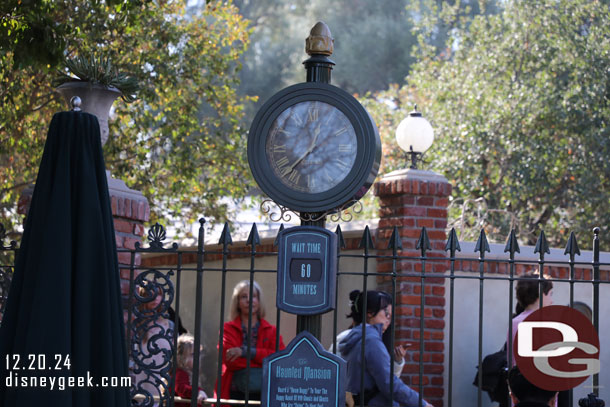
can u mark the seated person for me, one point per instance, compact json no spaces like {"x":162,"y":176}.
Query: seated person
{"x":525,"y":394}
{"x":184,"y":369}
{"x":235,"y":377}
{"x":398,"y":352}
{"x":376,"y":364}
{"x":527,"y":292}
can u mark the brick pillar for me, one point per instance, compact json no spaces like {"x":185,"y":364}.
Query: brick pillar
{"x":130,"y":210}
{"x":412,"y":199}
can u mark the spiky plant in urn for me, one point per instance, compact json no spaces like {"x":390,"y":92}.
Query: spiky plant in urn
{"x":97,"y":83}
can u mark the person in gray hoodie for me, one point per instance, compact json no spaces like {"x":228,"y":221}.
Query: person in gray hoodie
{"x":377,"y":374}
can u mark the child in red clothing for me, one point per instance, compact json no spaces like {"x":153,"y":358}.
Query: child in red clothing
{"x":184,"y":368}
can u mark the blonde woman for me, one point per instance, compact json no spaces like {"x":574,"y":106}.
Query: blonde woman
{"x":235,"y":344}
{"x":184,"y":368}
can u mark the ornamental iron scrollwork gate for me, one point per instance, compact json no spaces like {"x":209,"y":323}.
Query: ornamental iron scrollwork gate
{"x":152,"y":323}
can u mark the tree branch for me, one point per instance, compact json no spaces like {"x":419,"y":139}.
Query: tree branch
{"x":17,"y":186}
{"x":49,"y":100}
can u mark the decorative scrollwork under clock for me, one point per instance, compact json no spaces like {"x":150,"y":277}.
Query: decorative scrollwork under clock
{"x":344,"y":213}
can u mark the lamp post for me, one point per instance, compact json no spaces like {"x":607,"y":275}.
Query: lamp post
{"x":414,"y":135}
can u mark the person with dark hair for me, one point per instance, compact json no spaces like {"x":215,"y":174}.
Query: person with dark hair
{"x":399,"y":351}
{"x":528,"y":300}
{"x":525,"y":394}
{"x":374,"y":320}
{"x":172,"y":317}
{"x":352,"y":297}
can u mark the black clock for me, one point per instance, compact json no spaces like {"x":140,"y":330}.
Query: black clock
{"x":313,"y":148}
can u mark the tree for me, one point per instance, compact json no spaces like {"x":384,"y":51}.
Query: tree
{"x":373,"y":41}
{"x":181,"y":144}
{"x":520,"y":106}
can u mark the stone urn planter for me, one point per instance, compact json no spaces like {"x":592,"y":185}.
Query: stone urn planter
{"x":95,"y":99}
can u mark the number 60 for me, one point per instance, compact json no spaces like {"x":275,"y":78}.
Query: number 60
{"x":306,"y":270}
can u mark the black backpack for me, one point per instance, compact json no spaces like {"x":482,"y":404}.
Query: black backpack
{"x":494,"y":372}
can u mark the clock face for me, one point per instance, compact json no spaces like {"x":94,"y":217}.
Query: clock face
{"x":311,"y":147}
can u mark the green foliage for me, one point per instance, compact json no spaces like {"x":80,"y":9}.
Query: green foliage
{"x":373,"y":42}
{"x":181,"y":143}
{"x":372,"y":49}
{"x":28,"y":31}
{"x":438,"y":23}
{"x":37,"y":32}
{"x":520,"y":106}
{"x":373,"y":45}
{"x":98,"y":69}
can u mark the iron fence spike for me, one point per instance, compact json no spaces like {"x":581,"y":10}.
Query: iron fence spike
{"x":395,"y":242}
{"x":512,"y":245}
{"x":542,"y":245}
{"x":482,"y":245}
{"x":340,"y":239}
{"x":453,"y":243}
{"x":253,"y":238}
{"x":277,"y":238}
{"x":423,"y":243}
{"x":225,"y":236}
{"x":572,"y":246}
{"x":367,"y":241}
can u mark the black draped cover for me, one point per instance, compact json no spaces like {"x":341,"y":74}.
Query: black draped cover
{"x":64,"y":306}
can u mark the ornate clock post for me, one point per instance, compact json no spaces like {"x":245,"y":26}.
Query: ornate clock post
{"x":313,"y":149}
{"x":319,"y":46}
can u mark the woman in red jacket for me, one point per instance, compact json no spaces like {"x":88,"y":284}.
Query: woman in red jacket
{"x":235,"y":344}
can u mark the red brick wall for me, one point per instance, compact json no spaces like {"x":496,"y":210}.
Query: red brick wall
{"x":411,"y":201}
{"x":129,"y":216}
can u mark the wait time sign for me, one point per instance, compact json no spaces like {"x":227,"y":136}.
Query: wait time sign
{"x":307,"y":270}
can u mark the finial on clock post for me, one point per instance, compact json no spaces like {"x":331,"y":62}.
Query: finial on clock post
{"x":320,"y":40}
{"x":319,"y":46}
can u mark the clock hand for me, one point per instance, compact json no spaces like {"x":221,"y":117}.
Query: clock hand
{"x":294,"y":164}
{"x":316,"y":133}
{"x":312,"y":146}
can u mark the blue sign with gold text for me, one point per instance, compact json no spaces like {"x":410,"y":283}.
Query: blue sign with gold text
{"x":303,"y":375}
{"x":307,"y":270}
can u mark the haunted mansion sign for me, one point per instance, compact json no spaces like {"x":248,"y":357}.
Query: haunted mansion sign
{"x":303,"y":375}
{"x":307,"y":270}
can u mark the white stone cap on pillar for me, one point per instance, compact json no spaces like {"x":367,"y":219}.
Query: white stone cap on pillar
{"x":117,"y":187}
{"x":421,"y":175}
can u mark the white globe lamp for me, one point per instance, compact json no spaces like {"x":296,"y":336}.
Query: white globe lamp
{"x":415,"y":136}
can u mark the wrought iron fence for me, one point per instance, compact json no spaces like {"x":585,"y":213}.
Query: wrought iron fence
{"x":152,"y":324}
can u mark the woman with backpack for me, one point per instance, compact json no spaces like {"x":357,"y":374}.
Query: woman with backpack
{"x":375,"y":320}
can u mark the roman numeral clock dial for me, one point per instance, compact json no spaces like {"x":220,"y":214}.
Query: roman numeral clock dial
{"x":312,"y":147}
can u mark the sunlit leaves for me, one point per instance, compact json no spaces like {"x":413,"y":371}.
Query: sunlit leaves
{"x":180,"y":143}
{"x":520,"y":107}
